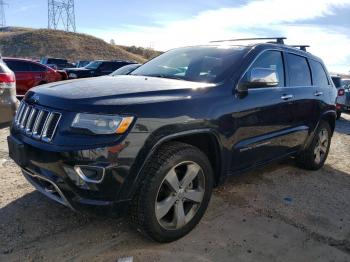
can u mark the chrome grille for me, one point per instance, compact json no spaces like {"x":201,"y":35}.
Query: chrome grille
{"x":38,"y":123}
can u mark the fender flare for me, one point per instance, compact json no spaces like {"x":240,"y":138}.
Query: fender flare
{"x":137,"y":180}
{"x":325,"y":114}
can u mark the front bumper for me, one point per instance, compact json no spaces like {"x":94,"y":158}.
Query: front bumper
{"x":54,"y":175}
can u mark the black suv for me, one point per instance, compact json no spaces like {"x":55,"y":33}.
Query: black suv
{"x":156,"y":142}
{"x":56,"y":63}
{"x":96,"y":68}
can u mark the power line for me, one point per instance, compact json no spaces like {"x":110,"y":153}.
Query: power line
{"x":2,"y":13}
{"x":61,"y":15}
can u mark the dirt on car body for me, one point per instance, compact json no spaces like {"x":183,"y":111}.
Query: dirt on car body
{"x":278,"y":213}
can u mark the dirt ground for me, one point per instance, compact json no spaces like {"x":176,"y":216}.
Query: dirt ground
{"x":278,"y":213}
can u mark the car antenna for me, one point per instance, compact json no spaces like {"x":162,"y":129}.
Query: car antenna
{"x":279,"y":40}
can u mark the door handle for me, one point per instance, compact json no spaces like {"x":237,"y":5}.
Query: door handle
{"x":287,"y":97}
{"x":318,"y":93}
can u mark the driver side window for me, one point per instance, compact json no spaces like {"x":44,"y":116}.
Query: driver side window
{"x":270,"y":60}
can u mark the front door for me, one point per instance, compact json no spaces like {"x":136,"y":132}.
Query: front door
{"x":263,"y":119}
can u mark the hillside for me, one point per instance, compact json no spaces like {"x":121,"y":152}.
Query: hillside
{"x":36,"y":43}
{"x":144,"y":52}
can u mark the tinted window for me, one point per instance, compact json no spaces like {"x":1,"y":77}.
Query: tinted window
{"x":37,"y":68}
{"x":94,"y":65}
{"x":56,"y":61}
{"x":318,"y":74}
{"x":299,"y":71}
{"x":107,"y":67}
{"x":201,"y":64}
{"x":18,"y":66}
{"x":271,"y":60}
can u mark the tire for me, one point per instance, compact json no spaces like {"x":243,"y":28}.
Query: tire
{"x":338,"y":115}
{"x":171,"y":161}
{"x":308,"y":159}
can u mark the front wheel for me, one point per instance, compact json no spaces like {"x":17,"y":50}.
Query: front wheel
{"x":314,"y":157}
{"x":175,"y":193}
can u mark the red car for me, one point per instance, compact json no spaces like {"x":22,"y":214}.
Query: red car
{"x":29,"y":74}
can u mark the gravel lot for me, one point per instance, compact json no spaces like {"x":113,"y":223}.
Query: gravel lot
{"x":278,"y":213}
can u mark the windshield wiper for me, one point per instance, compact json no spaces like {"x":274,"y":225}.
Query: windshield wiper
{"x":166,"y":76}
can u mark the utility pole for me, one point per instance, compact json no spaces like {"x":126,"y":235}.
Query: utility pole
{"x":2,"y":14}
{"x":61,"y":15}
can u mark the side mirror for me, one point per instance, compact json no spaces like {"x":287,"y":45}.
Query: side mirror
{"x":257,"y":78}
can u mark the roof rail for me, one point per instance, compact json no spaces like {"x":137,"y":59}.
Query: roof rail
{"x":301,"y":47}
{"x":279,"y":40}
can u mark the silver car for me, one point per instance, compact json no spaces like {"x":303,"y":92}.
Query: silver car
{"x":8,"y":100}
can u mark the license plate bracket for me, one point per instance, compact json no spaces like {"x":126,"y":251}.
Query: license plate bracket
{"x":17,"y":151}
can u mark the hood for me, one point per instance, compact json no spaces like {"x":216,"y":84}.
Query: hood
{"x":109,"y":93}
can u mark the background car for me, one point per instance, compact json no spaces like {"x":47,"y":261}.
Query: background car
{"x":125,"y":70}
{"x":8,"y":101}
{"x":96,"y":68}
{"x":82,"y":63}
{"x":343,"y":98}
{"x":56,"y":63}
{"x":29,"y":74}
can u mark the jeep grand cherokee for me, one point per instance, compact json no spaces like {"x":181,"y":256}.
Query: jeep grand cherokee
{"x":155,"y":143}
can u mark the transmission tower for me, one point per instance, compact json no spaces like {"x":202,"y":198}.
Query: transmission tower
{"x":61,"y":15}
{"x":2,"y":13}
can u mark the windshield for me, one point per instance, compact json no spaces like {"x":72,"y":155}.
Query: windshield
{"x":93,"y":65}
{"x":200,"y":64}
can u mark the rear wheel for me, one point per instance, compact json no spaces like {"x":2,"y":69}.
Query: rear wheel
{"x":338,"y":114}
{"x":314,"y":157}
{"x":175,"y":193}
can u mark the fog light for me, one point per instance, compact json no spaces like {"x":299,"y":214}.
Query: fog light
{"x":90,"y":174}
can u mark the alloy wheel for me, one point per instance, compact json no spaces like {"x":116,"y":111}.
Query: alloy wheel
{"x":180,"y":195}
{"x":321,"y":147}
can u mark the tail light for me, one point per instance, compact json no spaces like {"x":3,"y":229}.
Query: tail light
{"x":7,"y":80}
{"x":341,"y":92}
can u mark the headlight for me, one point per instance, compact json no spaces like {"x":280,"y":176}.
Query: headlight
{"x":102,"y":124}
{"x":73,"y":75}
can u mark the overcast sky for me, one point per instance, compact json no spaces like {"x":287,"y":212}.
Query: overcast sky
{"x":323,"y":24}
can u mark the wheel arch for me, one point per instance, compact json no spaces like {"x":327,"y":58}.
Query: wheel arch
{"x":211,"y":148}
{"x":330,"y":117}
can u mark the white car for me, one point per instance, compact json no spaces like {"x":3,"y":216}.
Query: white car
{"x":343,"y":98}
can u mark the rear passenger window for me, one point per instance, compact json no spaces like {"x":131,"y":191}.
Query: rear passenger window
{"x":319,"y":76}
{"x":18,"y":66}
{"x":299,"y":71}
{"x":271,"y":60}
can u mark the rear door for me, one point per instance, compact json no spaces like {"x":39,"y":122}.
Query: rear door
{"x":24,"y":78}
{"x":321,"y":83}
{"x":305,"y":108}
